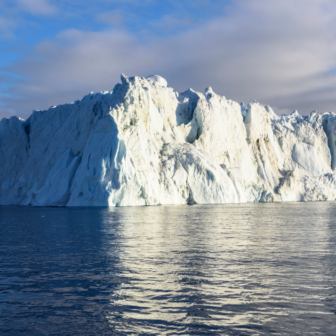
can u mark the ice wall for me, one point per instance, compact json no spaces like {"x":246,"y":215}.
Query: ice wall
{"x":145,"y":144}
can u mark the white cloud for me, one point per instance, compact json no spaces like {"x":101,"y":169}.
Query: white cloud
{"x":280,"y":53}
{"x":37,"y":7}
{"x":169,"y":23}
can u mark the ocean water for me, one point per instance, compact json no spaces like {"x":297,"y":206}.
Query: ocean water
{"x":249,"y":269}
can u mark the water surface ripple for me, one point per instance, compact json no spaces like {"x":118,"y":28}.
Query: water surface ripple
{"x":249,"y":269}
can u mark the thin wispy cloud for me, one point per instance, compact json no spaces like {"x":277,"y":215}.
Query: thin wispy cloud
{"x":6,"y":28}
{"x":37,"y":7}
{"x":170,"y":23}
{"x":115,"y":17}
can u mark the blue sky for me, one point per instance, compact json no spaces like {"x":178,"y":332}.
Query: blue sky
{"x":25,"y":23}
{"x":281,"y":53}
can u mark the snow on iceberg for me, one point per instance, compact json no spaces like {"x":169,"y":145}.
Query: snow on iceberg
{"x":145,"y":144}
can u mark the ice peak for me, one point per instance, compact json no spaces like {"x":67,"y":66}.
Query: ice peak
{"x":295,"y":113}
{"x":157,"y":80}
{"x":209,"y":92}
{"x":124,"y":79}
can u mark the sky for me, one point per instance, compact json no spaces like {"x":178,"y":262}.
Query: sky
{"x":278,"y":52}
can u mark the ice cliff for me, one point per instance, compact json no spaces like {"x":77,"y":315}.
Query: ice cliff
{"x":145,"y":144}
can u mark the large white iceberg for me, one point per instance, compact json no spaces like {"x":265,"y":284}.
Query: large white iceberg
{"x":145,"y":144}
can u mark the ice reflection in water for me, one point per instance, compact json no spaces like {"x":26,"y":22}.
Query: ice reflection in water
{"x":234,"y":269}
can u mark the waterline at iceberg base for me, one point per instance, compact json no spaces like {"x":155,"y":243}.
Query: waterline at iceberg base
{"x":145,"y":144}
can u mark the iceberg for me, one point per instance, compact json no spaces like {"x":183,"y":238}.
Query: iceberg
{"x":145,"y":144}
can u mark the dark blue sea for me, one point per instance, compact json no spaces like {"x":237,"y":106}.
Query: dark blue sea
{"x":250,"y":269}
